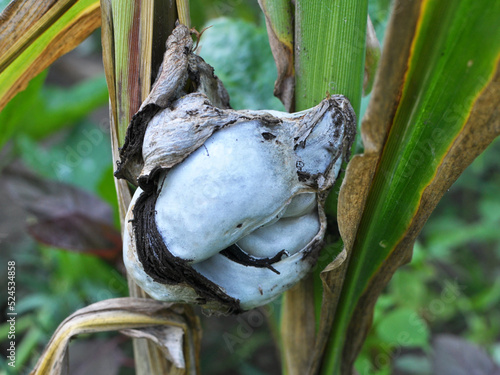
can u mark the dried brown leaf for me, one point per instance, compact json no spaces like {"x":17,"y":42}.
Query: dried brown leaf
{"x":19,"y":17}
{"x":155,"y":317}
{"x":180,"y":64}
{"x":167,"y":338}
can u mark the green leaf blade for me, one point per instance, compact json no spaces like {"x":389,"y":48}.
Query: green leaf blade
{"x":453,"y":60}
{"x":423,"y":129}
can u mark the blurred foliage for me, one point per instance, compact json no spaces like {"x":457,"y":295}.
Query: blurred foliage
{"x":54,"y":107}
{"x":240,"y":54}
{"x":204,"y":10}
{"x":3,"y":4}
{"x":451,"y":286}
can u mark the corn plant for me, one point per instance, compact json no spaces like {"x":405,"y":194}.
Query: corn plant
{"x":435,"y":90}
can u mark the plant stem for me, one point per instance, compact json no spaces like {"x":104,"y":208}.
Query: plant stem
{"x":329,"y":59}
{"x":329,"y":50}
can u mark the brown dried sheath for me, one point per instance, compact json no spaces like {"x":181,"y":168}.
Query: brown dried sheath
{"x":180,"y":68}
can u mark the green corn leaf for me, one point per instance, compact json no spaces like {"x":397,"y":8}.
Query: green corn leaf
{"x":34,"y":33}
{"x":433,"y":110}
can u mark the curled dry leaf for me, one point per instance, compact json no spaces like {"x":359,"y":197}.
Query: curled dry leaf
{"x":229,"y":209}
{"x":168,"y":326}
{"x":168,"y":339}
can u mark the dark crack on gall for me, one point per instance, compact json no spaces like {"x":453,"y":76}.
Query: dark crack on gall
{"x":237,"y":255}
{"x":268,"y":136}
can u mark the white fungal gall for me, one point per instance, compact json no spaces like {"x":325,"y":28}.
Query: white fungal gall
{"x":291,"y":234}
{"x":239,"y":219}
{"x":235,"y":183}
{"x":254,"y":287}
{"x":301,"y":204}
{"x":229,"y":209}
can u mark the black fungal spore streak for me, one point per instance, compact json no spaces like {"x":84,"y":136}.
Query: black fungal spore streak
{"x":268,"y":136}
{"x":237,"y":255}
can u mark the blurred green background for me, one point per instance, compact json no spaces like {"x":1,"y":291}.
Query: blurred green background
{"x":58,"y":130}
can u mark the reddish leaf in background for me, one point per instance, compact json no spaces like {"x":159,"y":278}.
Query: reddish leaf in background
{"x":456,"y":356}
{"x":64,"y":216}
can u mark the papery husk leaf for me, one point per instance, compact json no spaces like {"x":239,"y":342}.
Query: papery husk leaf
{"x":176,"y":68}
